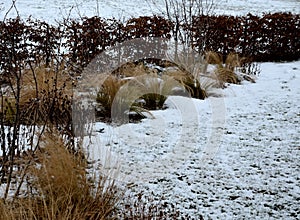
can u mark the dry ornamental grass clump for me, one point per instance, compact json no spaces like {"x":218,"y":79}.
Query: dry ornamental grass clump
{"x":107,"y":94}
{"x":139,"y":87}
{"x":45,"y":95}
{"x":61,"y":188}
{"x":225,"y":70}
{"x":232,"y":68}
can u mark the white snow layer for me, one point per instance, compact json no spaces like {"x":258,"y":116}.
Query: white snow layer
{"x":250,"y":172}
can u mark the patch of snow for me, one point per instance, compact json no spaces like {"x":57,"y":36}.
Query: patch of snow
{"x":52,"y":10}
{"x":255,"y":171}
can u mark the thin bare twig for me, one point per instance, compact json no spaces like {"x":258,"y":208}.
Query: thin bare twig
{"x":13,"y":6}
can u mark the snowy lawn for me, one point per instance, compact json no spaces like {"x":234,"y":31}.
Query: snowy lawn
{"x":254,"y":174}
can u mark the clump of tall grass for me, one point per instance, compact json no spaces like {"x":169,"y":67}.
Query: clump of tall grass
{"x":136,"y":88}
{"x":187,"y":68}
{"x":107,"y":94}
{"x":133,"y":69}
{"x":155,"y":89}
{"x":45,"y":94}
{"x":190,"y":83}
{"x":61,"y":188}
{"x":233,"y":68}
{"x":225,"y":70}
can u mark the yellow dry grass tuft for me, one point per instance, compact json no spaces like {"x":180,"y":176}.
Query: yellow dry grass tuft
{"x":225,"y":71}
{"x":40,"y":79}
{"x":133,"y":69}
{"x":61,"y":188}
{"x":189,"y":82}
{"x":154,"y":89}
{"x":42,"y":88}
{"x":107,"y":94}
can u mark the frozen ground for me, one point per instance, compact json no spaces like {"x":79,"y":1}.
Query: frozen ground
{"x":255,"y":172}
{"x":54,"y":9}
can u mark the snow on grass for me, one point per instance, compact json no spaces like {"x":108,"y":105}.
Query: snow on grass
{"x":255,"y":172}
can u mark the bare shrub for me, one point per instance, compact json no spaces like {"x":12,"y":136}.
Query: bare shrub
{"x":35,"y":98}
{"x":47,"y":94}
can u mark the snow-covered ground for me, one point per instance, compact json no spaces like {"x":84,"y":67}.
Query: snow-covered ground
{"x":53,"y":9}
{"x":255,"y":172}
{"x":235,"y":157}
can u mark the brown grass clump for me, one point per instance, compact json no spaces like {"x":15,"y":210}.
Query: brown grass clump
{"x":140,"y":91}
{"x":154,"y":89}
{"x":225,"y":75}
{"x":188,"y":81}
{"x":107,"y":94}
{"x":117,"y":99}
{"x":61,"y":188}
{"x":225,"y":71}
{"x":188,"y":67}
{"x":46,"y":78}
{"x":133,"y":69}
{"x":45,"y":94}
